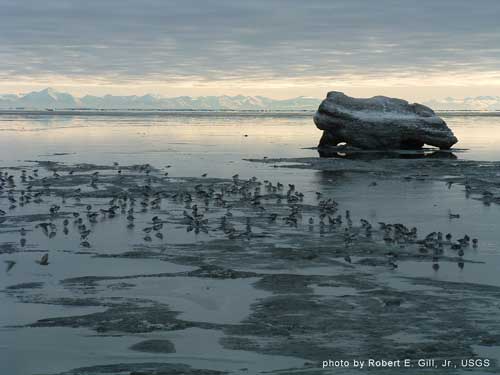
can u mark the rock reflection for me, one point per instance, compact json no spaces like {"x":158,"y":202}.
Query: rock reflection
{"x":347,"y":153}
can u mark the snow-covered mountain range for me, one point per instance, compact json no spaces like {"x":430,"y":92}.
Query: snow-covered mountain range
{"x":471,"y":103}
{"x":52,"y":99}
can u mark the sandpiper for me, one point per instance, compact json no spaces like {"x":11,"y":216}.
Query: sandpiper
{"x":10,"y":264}
{"x":44,"y":260}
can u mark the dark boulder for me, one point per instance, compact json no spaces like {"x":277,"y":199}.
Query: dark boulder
{"x":380,"y":123}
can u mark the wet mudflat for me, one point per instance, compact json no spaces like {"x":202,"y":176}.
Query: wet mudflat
{"x":150,"y":271}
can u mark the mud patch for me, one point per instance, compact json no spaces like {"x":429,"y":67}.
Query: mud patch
{"x":141,"y":369}
{"x":125,"y":318}
{"x":154,"y":346}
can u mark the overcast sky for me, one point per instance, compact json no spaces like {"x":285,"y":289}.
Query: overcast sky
{"x":279,"y":48}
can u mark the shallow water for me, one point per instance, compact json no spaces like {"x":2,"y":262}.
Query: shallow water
{"x":217,"y":145}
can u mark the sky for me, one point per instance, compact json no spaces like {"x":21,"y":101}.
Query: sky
{"x":417,"y":50}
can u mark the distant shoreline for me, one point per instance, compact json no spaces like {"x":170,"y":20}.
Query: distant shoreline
{"x":202,"y":112}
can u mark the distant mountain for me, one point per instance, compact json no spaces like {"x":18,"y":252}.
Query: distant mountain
{"x":52,"y":99}
{"x":477,"y":103}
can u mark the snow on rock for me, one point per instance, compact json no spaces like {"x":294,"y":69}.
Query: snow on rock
{"x":380,"y":123}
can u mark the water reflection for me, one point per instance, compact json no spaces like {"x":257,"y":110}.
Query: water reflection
{"x":217,"y":145}
{"x":336,"y":152}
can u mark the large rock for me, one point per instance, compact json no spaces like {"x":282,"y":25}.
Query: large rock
{"x":380,"y":123}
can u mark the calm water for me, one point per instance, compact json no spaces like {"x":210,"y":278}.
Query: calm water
{"x":215,"y":142}
{"x":217,"y":145}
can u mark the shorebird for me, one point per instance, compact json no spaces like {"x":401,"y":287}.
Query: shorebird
{"x":272,"y":217}
{"x":84,"y":234}
{"x":45,"y":227}
{"x":393,"y":265}
{"x":10,"y":264}
{"x":44,"y":260}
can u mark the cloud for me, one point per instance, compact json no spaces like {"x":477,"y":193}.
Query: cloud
{"x":249,"y":42}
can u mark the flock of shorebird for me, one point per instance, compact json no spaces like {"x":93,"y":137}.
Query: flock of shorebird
{"x":287,"y":204}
